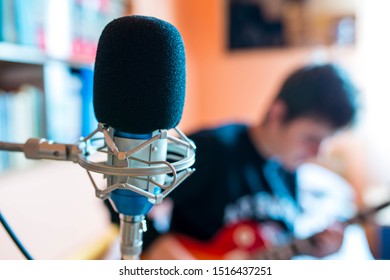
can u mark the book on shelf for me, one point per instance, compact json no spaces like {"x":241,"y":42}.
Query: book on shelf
{"x":88,"y":21}
{"x":1,"y":22}
{"x":63,"y":103}
{"x":20,"y":119}
{"x":29,"y":21}
{"x":4,"y":156}
{"x":89,"y":122}
{"x":7,"y":22}
{"x":69,"y":110}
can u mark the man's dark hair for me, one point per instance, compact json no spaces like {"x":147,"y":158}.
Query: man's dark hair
{"x":324,"y":92}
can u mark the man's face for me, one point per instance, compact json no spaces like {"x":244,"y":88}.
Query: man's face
{"x":299,"y":140}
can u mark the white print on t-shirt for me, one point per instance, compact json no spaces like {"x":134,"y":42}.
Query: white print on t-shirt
{"x":261,"y":206}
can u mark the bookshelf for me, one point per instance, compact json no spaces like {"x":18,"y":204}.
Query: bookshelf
{"x":47,"y":51}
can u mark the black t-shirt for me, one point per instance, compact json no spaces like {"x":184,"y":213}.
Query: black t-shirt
{"x":230,"y":184}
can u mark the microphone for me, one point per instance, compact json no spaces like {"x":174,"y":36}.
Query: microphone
{"x":138,"y":97}
{"x":139,"y":90}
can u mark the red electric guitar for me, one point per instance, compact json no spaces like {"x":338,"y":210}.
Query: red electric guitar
{"x":248,"y":236}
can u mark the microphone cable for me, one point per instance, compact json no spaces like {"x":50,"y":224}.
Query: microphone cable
{"x":15,"y":238}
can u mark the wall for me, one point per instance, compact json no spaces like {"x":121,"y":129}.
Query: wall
{"x":224,"y":86}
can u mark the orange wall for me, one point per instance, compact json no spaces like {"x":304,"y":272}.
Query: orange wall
{"x":222,"y":86}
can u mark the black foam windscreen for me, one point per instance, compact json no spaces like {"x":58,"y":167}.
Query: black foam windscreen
{"x":140,"y":75}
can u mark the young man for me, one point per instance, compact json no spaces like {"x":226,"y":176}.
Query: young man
{"x":246,"y":174}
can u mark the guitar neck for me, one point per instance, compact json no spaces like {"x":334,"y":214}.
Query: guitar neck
{"x":305,"y":245}
{"x":363,"y":215}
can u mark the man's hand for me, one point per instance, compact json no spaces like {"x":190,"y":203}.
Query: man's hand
{"x":327,"y":242}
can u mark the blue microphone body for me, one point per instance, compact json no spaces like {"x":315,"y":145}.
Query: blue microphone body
{"x":129,"y":203}
{"x":124,"y":201}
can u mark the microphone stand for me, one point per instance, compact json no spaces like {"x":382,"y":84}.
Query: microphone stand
{"x":131,"y":231}
{"x":175,"y":169}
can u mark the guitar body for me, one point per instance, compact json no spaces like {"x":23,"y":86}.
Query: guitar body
{"x":229,"y":243}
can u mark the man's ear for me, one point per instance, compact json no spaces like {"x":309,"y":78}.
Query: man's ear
{"x":277,"y":112}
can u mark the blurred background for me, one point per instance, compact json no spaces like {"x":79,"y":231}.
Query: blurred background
{"x":238,"y":53}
